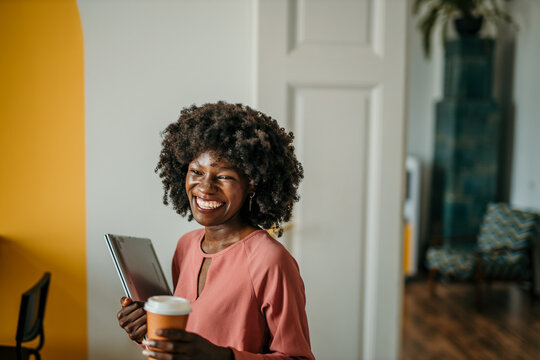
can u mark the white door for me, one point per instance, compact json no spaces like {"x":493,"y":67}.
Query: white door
{"x":333,"y":71}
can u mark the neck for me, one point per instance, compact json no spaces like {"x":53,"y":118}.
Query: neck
{"x":219,"y":237}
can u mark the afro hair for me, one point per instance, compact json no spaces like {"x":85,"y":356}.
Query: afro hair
{"x":250,"y":140}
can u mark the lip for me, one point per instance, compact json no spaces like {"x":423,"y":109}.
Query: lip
{"x":202,"y":210}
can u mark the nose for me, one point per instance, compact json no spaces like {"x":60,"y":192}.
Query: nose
{"x":207,"y":185}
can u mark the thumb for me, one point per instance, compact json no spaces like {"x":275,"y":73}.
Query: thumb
{"x":125,"y":301}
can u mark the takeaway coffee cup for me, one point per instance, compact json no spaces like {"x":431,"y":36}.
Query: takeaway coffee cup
{"x":165,"y":312}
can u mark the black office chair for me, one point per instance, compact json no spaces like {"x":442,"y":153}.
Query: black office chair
{"x":30,"y":324}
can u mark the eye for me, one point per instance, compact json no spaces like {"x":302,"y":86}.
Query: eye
{"x":225,"y":177}
{"x":196,"y":172}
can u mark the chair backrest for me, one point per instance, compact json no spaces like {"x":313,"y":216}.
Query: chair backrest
{"x":505,"y":227}
{"x":32,"y":311}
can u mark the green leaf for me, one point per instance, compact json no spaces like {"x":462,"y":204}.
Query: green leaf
{"x":426,"y":26}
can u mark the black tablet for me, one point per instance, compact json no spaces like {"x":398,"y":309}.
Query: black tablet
{"x":138,"y":266}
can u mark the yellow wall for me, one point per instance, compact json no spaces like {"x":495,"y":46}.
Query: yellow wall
{"x":42,"y":179}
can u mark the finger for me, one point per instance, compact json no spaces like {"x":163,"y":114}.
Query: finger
{"x":158,"y":355}
{"x":132,"y":318}
{"x":139,"y":334}
{"x":133,"y":310}
{"x":140,"y":321}
{"x":128,"y":309}
{"x":134,"y":326}
{"x":125,"y":301}
{"x":176,"y":334}
{"x":136,"y":314}
{"x":167,"y":346}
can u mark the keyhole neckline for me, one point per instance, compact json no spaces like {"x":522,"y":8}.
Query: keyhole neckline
{"x":224,"y":251}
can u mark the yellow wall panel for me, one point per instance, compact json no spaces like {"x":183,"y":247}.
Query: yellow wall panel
{"x":42,"y":169}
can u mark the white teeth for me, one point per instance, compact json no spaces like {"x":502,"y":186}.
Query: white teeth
{"x":208,"y":205}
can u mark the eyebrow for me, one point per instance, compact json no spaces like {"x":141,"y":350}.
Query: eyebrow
{"x":214,"y":165}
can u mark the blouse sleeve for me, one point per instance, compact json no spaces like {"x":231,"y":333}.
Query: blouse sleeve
{"x":175,"y":264}
{"x":280,"y":291}
{"x":175,"y":270}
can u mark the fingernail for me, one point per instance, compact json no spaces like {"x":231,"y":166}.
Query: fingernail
{"x":148,"y":342}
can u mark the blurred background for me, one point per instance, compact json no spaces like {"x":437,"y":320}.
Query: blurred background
{"x":402,"y":148}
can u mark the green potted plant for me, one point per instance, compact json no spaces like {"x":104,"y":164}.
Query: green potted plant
{"x":468,"y":17}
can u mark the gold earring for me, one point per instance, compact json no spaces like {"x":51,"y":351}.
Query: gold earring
{"x":250,"y":200}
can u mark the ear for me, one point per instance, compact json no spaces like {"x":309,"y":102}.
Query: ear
{"x":251,"y":187}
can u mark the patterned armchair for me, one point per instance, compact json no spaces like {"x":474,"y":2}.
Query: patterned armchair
{"x":504,"y":251}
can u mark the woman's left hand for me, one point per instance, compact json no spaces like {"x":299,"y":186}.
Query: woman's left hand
{"x":183,"y":345}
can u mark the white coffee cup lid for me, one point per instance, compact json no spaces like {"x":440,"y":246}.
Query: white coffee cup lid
{"x":167,"y":305}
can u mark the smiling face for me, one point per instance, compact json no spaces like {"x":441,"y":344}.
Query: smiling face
{"x":216,"y":190}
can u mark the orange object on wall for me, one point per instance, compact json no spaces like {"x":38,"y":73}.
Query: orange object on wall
{"x":411,"y":213}
{"x":406,"y":248}
{"x":42,"y":169}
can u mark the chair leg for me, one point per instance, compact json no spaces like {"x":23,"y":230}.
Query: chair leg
{"x":432,"y":282}
{"x":478,"y":277}
{"x":533,"y":290}
{"x":478,"y":295}
{"x":532,"y":277}
{"x":478,"y":289}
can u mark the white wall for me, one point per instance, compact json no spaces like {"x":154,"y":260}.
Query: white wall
{"x":525,"y":190}
{"x":144,"y":61}
{"x":424,"y":88}
{"x":525,"y":185}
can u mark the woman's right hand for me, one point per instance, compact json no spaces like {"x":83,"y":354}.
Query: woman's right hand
{"x":132,"y":318}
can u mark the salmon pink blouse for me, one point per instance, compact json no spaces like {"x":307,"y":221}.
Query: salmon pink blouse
{"x":253,"y":300}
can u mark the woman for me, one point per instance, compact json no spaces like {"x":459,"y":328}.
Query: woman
{"x":234,"y":171}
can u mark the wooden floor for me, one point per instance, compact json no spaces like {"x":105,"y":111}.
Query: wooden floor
{"x":449,"y":327}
